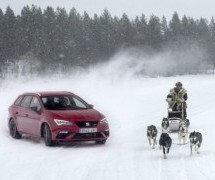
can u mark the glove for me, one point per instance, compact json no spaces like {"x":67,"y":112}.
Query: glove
{"x":180,"y":100}
{"x":169,"y":100}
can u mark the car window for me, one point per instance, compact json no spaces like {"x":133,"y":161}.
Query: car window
{"x":44,"y":100}
{"x":79,"y":103}
{"x":26,"y":101}
{"x":64,"y":103}
{"x":18,"y":100}
{"x":35,"y":103}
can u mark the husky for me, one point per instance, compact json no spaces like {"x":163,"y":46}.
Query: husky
{"x":152,"y":135}
{"x":165,"y":142}
{"x":195,"y":141}
{"x":182,"y":133}
{"x":165,"y":125}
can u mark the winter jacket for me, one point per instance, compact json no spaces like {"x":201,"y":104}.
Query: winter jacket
{"x":180,"y":96}
{"x":176,"y":98}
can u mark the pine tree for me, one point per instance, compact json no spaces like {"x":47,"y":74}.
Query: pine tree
{"x":116,"y":33}
{"x":175,"y":28}
{"x":27,"y":29}
{"x":2,"y":40}
{"x":192,"y":29}
{"x":185,"y":25}
{"x":154,"y":32}
{"x":86,"y":40}
{"x":38,"y":33}
{"x":96,"y":42}
{"x":61,"y":35}
{"x":164,"y":29}
{"x":74,"y":34}
{"x":212,"y":28}
{"x":9,"y":29}
{"x":49,"y":44}
{"x":203,"y":31}
{"x":140,"y":26}
{"x":126,"y":31}
{"x":211,"y":48}
{"x":107,"y":40}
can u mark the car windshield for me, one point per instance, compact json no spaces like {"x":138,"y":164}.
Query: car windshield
{"x":65,"y":102}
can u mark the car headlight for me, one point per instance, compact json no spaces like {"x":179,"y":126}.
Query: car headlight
{"x":103,"y":121}
{"x":60,"y":122}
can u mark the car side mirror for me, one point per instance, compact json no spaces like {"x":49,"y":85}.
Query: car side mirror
{"x":36,"y":109}
{"x":91,"y":106}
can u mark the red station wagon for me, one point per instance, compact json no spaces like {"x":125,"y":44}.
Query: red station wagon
{"x":57,"y":117}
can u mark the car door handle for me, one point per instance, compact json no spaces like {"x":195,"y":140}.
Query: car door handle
{"x":26,"y":115}
{"x":17,"y":113}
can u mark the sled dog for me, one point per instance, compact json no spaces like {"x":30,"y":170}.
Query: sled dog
{"x":195,"y":141}
{"x":165,"y":142}
{"x":182,"y":133}
{"x":152,"y":135}
{"x":165,"y":125}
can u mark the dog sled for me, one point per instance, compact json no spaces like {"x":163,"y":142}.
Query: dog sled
{"x":176,"y":116}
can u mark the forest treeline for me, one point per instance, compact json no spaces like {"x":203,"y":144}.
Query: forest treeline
{"x":56,"y":38}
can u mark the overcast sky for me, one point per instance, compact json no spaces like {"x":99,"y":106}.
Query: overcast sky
{"x":192,"y":8}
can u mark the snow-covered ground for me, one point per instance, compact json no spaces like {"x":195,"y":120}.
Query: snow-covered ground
{"x":130,"y":104}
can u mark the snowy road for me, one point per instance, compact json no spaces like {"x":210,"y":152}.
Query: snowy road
{"x":130,"y":104}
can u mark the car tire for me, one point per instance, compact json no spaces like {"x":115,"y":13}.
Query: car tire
{"x":13,"y":130}
{"x":47,"y":135}
{"x":101,"y":141}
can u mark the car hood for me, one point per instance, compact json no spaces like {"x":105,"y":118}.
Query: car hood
{"x":77,"y":115}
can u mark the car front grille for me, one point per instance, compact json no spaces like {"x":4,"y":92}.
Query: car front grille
{"x":84,"y":124}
